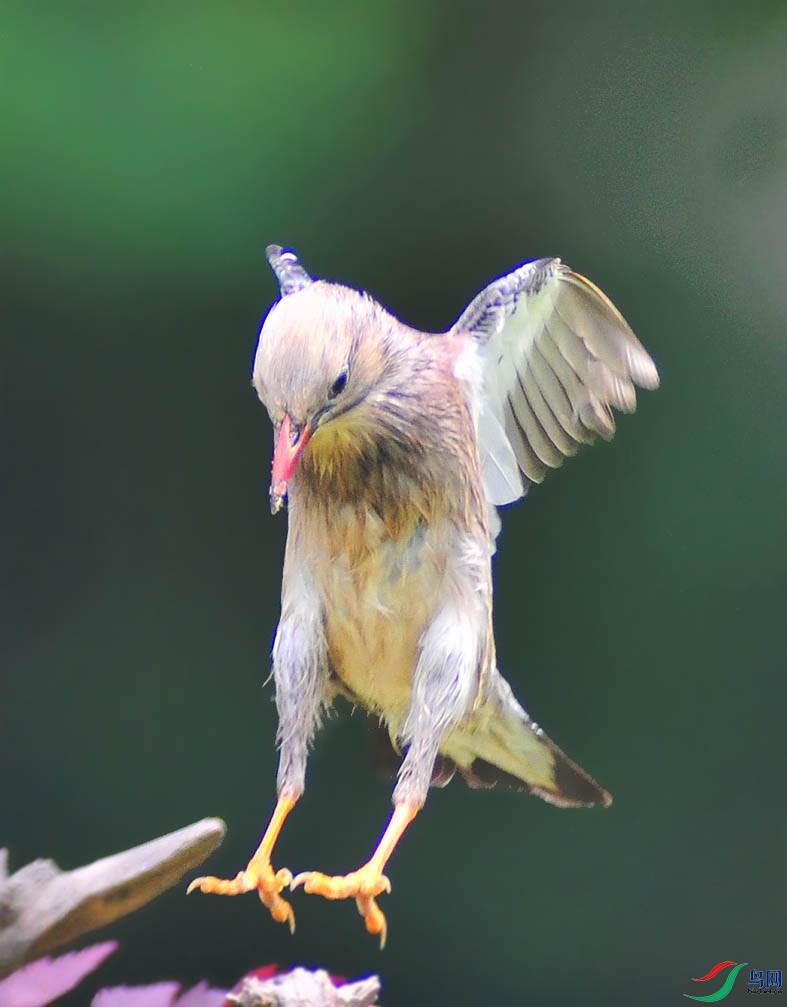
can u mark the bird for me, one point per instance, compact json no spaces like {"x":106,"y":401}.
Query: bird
{"x":393,"y":450}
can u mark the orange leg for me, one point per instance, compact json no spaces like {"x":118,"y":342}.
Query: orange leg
{"x":365,"y":884}
{"x":258,"y":873}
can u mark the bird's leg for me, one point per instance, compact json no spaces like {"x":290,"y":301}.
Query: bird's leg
{"x":299,"y":660}
{"x":365,"y":884}
{"x":444,"y":687}
{"x":259,"y":873}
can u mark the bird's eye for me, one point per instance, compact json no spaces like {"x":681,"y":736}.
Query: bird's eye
{"x":338,"y":386}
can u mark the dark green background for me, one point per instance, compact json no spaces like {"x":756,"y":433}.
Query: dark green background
{"x":148,"y":153}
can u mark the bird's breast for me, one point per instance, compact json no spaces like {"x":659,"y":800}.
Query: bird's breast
{"x":379,"y":590}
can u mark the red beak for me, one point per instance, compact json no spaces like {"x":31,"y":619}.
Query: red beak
{"x":289,"y":448}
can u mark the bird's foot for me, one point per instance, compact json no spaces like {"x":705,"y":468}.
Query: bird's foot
{"x":258,"y":875}
{"x":363,"y":885}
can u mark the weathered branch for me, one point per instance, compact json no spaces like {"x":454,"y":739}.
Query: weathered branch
{"x":42,"y":907}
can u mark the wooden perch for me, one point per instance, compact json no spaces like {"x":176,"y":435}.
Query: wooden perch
{"x":42,"y":907}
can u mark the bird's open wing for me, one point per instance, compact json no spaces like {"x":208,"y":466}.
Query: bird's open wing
{"x":556,"y":356}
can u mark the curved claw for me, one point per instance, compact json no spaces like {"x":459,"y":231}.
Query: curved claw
{"x":241,"y":883}
{"x":363,"y":885}
{"x":267,"y":884}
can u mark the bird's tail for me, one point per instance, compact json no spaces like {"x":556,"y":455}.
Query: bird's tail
{"x":500,"y":745}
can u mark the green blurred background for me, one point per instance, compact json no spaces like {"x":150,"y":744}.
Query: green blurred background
{"x":149,"y":152}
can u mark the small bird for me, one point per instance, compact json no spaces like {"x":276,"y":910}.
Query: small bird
{"x":393,"y":449}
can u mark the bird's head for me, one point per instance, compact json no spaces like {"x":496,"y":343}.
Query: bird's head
{"x":312,"y":369}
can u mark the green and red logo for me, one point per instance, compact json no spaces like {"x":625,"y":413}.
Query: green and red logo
{"x":760,"y":981}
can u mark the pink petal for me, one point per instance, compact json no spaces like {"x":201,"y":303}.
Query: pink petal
{"x":42,"y":981}
{"x":202,"y":995}
{"x":157,"y":995}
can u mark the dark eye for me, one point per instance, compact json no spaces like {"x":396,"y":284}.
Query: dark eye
{"x":338,"y":386}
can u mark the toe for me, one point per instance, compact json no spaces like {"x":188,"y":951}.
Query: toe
{"x":358,"y":884}
{"x":267,"y":884}
{"x":219,"y":886}
{"x":279,"y":908}
{"x":373,"y":917}
{"x":315,"y":883}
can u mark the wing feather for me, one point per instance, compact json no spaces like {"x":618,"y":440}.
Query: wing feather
{"x":562,"y":441}
{"x":529,"y":463}
{"x":556,"y":357}
{"x":555,"y":394}
{"x":600,"y":380}
{"x":540,"y":441}
{"x":588,"y":416}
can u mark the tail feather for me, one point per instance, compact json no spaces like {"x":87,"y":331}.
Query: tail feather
{"x":500,"y":745}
